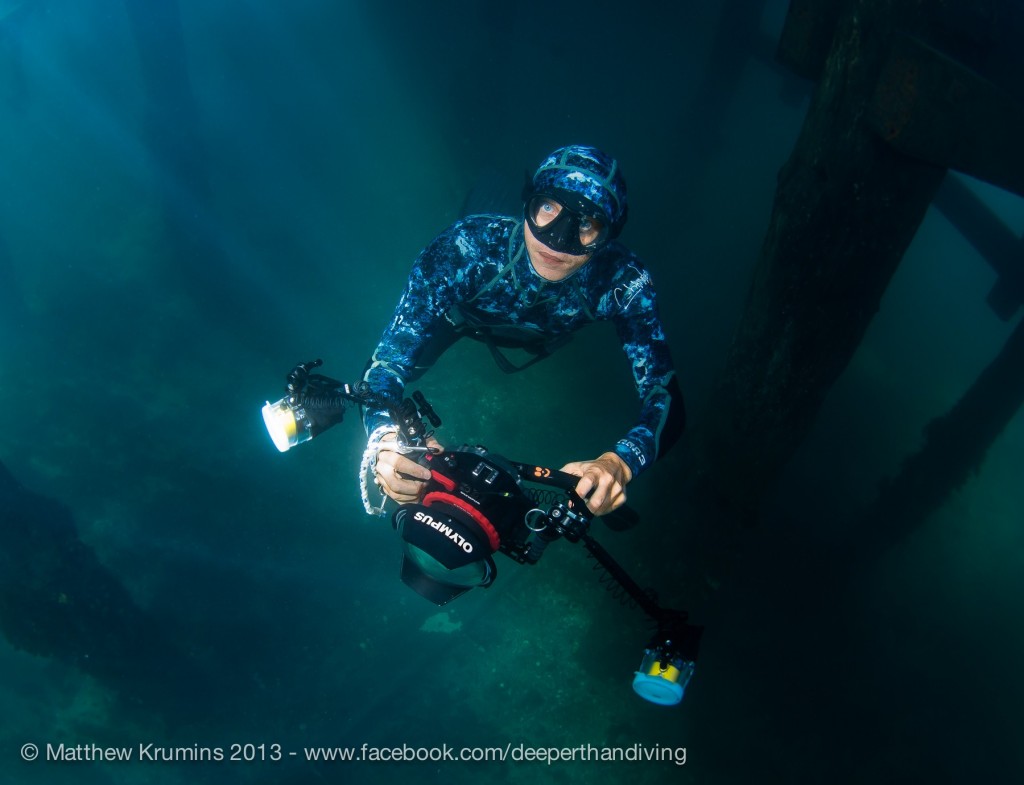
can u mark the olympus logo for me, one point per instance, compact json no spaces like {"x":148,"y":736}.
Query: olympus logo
{"x":445,"y":529}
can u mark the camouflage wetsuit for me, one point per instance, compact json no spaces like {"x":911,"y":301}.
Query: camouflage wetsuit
{"x":476,"y":279}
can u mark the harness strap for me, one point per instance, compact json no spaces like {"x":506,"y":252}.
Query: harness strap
{"x":479,"y":331}
{"x":513,"y":258}
{"x":539,"y":352}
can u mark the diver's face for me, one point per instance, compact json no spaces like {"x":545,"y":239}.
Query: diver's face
{"x":551,"y":265}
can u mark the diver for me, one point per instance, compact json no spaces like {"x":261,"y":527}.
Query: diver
{"x":527,"y":284}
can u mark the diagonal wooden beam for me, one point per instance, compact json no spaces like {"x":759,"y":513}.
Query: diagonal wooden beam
{"x":991,"y":238}
{"x":930,"y":107}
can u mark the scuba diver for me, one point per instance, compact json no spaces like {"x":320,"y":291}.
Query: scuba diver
{"x":524,"y":284}
{"x":528,"y":284}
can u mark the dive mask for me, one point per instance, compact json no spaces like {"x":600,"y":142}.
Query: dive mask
{"x":566,"y":223}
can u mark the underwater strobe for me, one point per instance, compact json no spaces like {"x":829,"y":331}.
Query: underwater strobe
{"x":667,"y":666}
{"x":477,"y":503}
{"x":312,"y":405}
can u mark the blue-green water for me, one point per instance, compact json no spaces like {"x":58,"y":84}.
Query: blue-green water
{"x":325,"y":144}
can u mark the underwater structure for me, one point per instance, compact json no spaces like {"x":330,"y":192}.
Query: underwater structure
{"x":904,"y":92}
{"x":58,"y":600}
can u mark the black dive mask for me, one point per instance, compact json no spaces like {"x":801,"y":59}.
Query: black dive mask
{"x":566,"y":223}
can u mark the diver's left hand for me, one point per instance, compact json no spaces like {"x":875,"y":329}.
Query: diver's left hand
{"x":604,"y":478}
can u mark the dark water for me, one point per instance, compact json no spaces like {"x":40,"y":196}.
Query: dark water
{"x":184,"y":217}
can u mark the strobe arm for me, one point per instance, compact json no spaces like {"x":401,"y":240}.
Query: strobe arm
{"x":621,"y":577}
{"x":672,"y":625}
{"x":314,"y":402}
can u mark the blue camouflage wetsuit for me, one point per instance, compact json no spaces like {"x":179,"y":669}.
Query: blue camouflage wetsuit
{"x":476,"y":279}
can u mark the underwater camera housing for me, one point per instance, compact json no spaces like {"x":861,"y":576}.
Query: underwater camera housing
{"x":476,"y":504}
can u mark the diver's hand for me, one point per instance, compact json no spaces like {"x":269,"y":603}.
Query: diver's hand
{"x":400,"y":476}
{"x":604,"y":478}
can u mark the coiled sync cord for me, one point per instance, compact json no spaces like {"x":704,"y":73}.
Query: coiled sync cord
{"x":368,"y":465}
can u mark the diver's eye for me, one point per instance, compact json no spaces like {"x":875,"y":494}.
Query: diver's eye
{"x":549,"y":211}
{"x":544,"y":210}
{"x":591,"y":230}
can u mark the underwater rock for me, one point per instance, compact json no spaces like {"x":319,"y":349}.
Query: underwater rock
{"x":440,"y":622}
{"x":57,"y":600}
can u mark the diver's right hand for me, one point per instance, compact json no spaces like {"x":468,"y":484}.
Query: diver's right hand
{"x":400,"y":476}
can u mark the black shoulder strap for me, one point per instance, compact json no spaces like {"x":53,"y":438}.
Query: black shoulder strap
{"x":539,"y":352}
{"x":480,"y":332}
